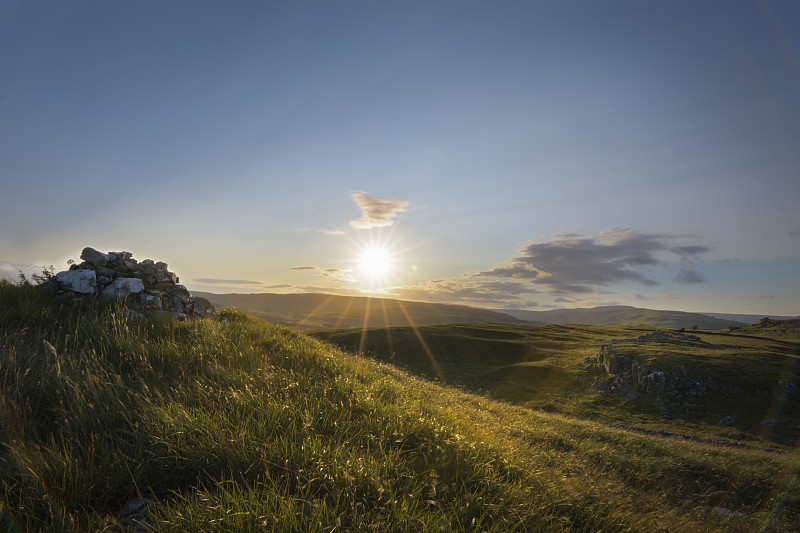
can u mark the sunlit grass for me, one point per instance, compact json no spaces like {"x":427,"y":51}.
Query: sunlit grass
{"x":545,"y":368}
{"x":247,"y":426}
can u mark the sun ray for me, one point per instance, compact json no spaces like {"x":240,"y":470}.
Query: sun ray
{"x":313,"y":312}
{"x":428,"y":352}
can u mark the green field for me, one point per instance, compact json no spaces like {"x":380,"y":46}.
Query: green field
{"x":544,"y":368}
{"x":246,"y":426}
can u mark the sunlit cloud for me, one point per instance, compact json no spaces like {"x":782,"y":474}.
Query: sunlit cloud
{"x":467,"y":291}
{"x":11,"y":271}
{"x":337,"y":275}
{"x":376,"y":212}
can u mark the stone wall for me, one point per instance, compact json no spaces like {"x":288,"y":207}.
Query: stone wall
{"x":146,"y":287}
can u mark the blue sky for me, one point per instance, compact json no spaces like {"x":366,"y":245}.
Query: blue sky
{"x":507,"y":154}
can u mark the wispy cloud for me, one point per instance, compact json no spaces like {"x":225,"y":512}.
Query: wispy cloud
{"x":376,"y":212}
{"x":333,"y":274}
{"x":468,"y":291}
{"x":217,"y":281}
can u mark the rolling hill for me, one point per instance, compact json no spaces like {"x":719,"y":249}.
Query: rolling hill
{"x":117,"y":422}
{"x":545,"y":367}
{"x":325,"y":311}
{"x":622,"y":315}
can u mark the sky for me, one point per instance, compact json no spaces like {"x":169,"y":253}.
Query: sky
{"x":529,"y":155}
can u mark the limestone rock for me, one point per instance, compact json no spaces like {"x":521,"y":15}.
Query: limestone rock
{"x":90,"y":255}
{"x":150,"y":302}
{"x":201,"y":306}
{"x":123,"y":287}
{"x":119,"y":275}
{"x":79,"y":281}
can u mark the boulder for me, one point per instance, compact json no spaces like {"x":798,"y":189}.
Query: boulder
{"x":201,"y":306}
{"x":90,"y":255}
{"x":150,"y":302}
{"x":123,"y":287}
{"x":79,"y":281}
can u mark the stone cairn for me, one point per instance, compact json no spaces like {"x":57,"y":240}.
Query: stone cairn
{"x":147,"y":287}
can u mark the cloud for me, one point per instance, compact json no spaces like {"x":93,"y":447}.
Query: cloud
{"x":494,"y":293}
{"x":662,"y":296}
{"x":10,"y":271}
{"x":376,"y":212}
{"x":690,"y":275}
{"x":333,"y":274}
{"x":569,"y":263}
{"x":216,"y":281}
{"x":795,"y":234}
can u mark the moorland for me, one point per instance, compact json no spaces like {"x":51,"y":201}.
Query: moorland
{"x":117,"y":422}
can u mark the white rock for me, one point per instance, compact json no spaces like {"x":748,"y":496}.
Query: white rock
{"x":122,"y":287}
{"x":81,"y":281}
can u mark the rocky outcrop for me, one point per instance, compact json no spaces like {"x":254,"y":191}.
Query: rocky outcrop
{"x":145,"y":287}
{"x":632,"y":375}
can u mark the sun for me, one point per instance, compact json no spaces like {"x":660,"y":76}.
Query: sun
{"x":375,"y":263}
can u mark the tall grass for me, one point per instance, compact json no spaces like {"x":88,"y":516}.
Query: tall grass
{"x":247,"y":426}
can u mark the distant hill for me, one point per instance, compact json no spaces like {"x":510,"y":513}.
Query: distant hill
{"x":747,"y":319}
{"x":769,"y":327}
{"x":326,"y":311}
{"x":622,"y":315}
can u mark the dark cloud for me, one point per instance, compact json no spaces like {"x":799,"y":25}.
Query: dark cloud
{"x":576,"y":263}
{"x":690,"y":275}
{"x":376,"y":212}
{"x":690,"y":251}
{"x":216,"y":281}
{"x":304,"y":268}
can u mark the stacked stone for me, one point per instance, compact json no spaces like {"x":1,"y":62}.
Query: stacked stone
{"x":145,"y":286}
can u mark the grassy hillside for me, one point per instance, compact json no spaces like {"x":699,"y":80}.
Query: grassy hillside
{"x":623,"y":315}
{"x":249,"y":426}
{"x":768,"y":327}
{"x":326,"y":311}
{"x":543,"y":368}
